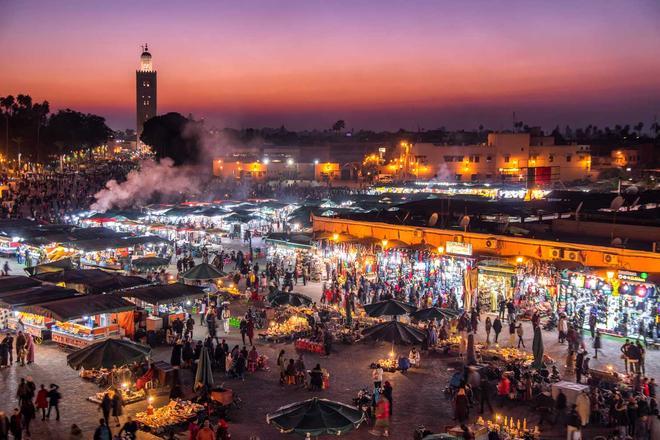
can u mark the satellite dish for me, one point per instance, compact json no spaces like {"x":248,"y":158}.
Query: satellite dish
{"x":617,"y":242}
{"x":617,"y":203}
{"x":433,"y":219}
{"x":632,"y":189}
{"x":465,"y":221}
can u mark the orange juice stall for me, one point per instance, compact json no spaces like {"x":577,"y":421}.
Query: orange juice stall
{"x":36,"y":325}
{"x":83,"y":320}
{"x":163,"y":302}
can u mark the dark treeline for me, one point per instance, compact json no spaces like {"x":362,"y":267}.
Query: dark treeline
{"x":29,"y":128}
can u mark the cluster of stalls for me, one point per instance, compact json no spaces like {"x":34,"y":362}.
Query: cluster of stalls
{"x":196,"y":224}
{"x":78,"y":307}
{"x":33,"y":244}
{"x":453,"y":276}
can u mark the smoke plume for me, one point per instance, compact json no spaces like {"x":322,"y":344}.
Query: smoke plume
{"x":151,"y":180}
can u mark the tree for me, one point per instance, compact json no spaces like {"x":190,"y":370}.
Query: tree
{"x":339,"y":125}
{"x":638,"y":128}
{"x":69,"y":130}
{"x":175,"y":136}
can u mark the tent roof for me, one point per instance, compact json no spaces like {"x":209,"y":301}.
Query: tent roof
{"x":203,"y":271}
{"x":79,"y":306}
{"x":99,"y":280}
{"x":15,"y":282}
{"x":53,"y":266}
{"x":164,"y":293}
{"x":35,"y":295}
{"x":108,"y":353}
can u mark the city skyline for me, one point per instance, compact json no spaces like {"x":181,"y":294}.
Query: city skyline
{"x":306,"y":64}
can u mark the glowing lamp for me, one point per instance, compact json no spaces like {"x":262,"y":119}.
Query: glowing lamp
{"x":519,"y":260}
{"x":384,"y":242}
{"x":335,"y":236}
{"x":610,"y":274}
{"x":441,"y":249}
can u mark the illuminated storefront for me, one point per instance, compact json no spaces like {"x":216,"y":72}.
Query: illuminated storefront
{"x":620,"y":300}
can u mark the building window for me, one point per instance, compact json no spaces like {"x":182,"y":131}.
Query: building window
{"x":568,"y":158}
{"x":459,"y":158}
{"x":551,"y":158}
{"x":449,"y":158}
{"x":488,"y":158}
{"x":489,"y":176}
{"x":474,"y":177}
{"x":458,"y":177}
{"x":507,"y":158}
{"x":474,"y":158}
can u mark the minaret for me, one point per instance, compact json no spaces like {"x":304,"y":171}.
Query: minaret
{"x":145,"y":91}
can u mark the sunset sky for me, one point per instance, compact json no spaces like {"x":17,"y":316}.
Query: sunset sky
{"x":376,"y":64}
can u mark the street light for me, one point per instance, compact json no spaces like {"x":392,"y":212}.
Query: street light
{"x":289,"y":161}
{"x":316,"y":161}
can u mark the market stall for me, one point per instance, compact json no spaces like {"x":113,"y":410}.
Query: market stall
{"x":177,"y":413}
{"x":82,"y":320}
{"x":495,"y":281}
{"x":620,"y":300}
{"x":163,"y":302}
{"x":37,"y":326}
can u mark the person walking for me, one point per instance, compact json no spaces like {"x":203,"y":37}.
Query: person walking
{"x":387,"y":393}
{"x":117,"y":407}
{"x":225,"y":315}
{"x":497,"y":327}
{"x":102,"y":431}
{"x":625,"y":353}
{"x":29,"y":349}
{"x":54,"y":398}
{"x":487,"y":325}
{"x":382,"y":424}
{"x":42,"y":401}
{"x":512,"y":333}
{"x":250,"y":330}
{"x":597,"y":344}
{"x":573,"y":425}
{"x":4,"y":426}
{"x":106,"y":406}
{"x":519,"y":332}
{"x":242,"y":326}
{"x":461,"y":406}
{"x":16,"y":424}
{"x":377,"y":376}
{"x":562,"y":328}
{"x":485,"y":389}
{"x":21,"y":341}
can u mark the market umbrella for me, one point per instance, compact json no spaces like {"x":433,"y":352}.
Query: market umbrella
{"x":108,"y":353}
{"x":201,"y":272}
{"x":395,"y":332}
{"x":537,"y":348}
{"x":148,"y":262}
{"x":316,"y":417}
{"x":390,"y":307}
{"x":440,"y":437}
{"x":434,"y":313}
{"x":204,"y":375}
{"x":280,"y":298}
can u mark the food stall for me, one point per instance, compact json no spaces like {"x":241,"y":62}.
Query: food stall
{"x":163,"y":302}
{"x":495,"y":279}
{"x":82,"y":320}
{"x":176,"y":412}
{"x":35,"y":325}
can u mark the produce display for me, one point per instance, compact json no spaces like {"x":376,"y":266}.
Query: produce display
{"x":129,"y":396}
{"x":389,"y":364}
{"x":177,"y":411}
{"x":308,"y":345}
{"x":293,"y":324}
{"x":507,"y":354}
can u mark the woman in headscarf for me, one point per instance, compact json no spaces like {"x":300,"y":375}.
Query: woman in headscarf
{"x":461,"y":410}
{"x":29,"y":346}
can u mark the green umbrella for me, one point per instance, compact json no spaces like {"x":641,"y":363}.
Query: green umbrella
{"x":204,"y":375}
{"x":537,"y":348}
{"x":202,"y":272}
{"x":316,"y":417}
{"x":107,"y":354}
{"x":434,"y":312}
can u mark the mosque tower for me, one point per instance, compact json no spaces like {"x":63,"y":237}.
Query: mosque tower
{"x":145,"y":91}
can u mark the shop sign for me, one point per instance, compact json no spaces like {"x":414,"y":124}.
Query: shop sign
{"x":458,"y":248}
{"x":633,"y":276}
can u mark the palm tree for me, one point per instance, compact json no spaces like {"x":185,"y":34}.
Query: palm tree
{"x":18,"y":141}
{"x":339,"y":125}
{"x":7,"y":103}
{"x":638,"y":128}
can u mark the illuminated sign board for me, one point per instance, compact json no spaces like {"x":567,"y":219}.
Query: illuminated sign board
{"x":458,"y":248}
{"x":632,"y":276}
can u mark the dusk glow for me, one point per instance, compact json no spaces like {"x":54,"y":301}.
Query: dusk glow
{"x":306,"y":63}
